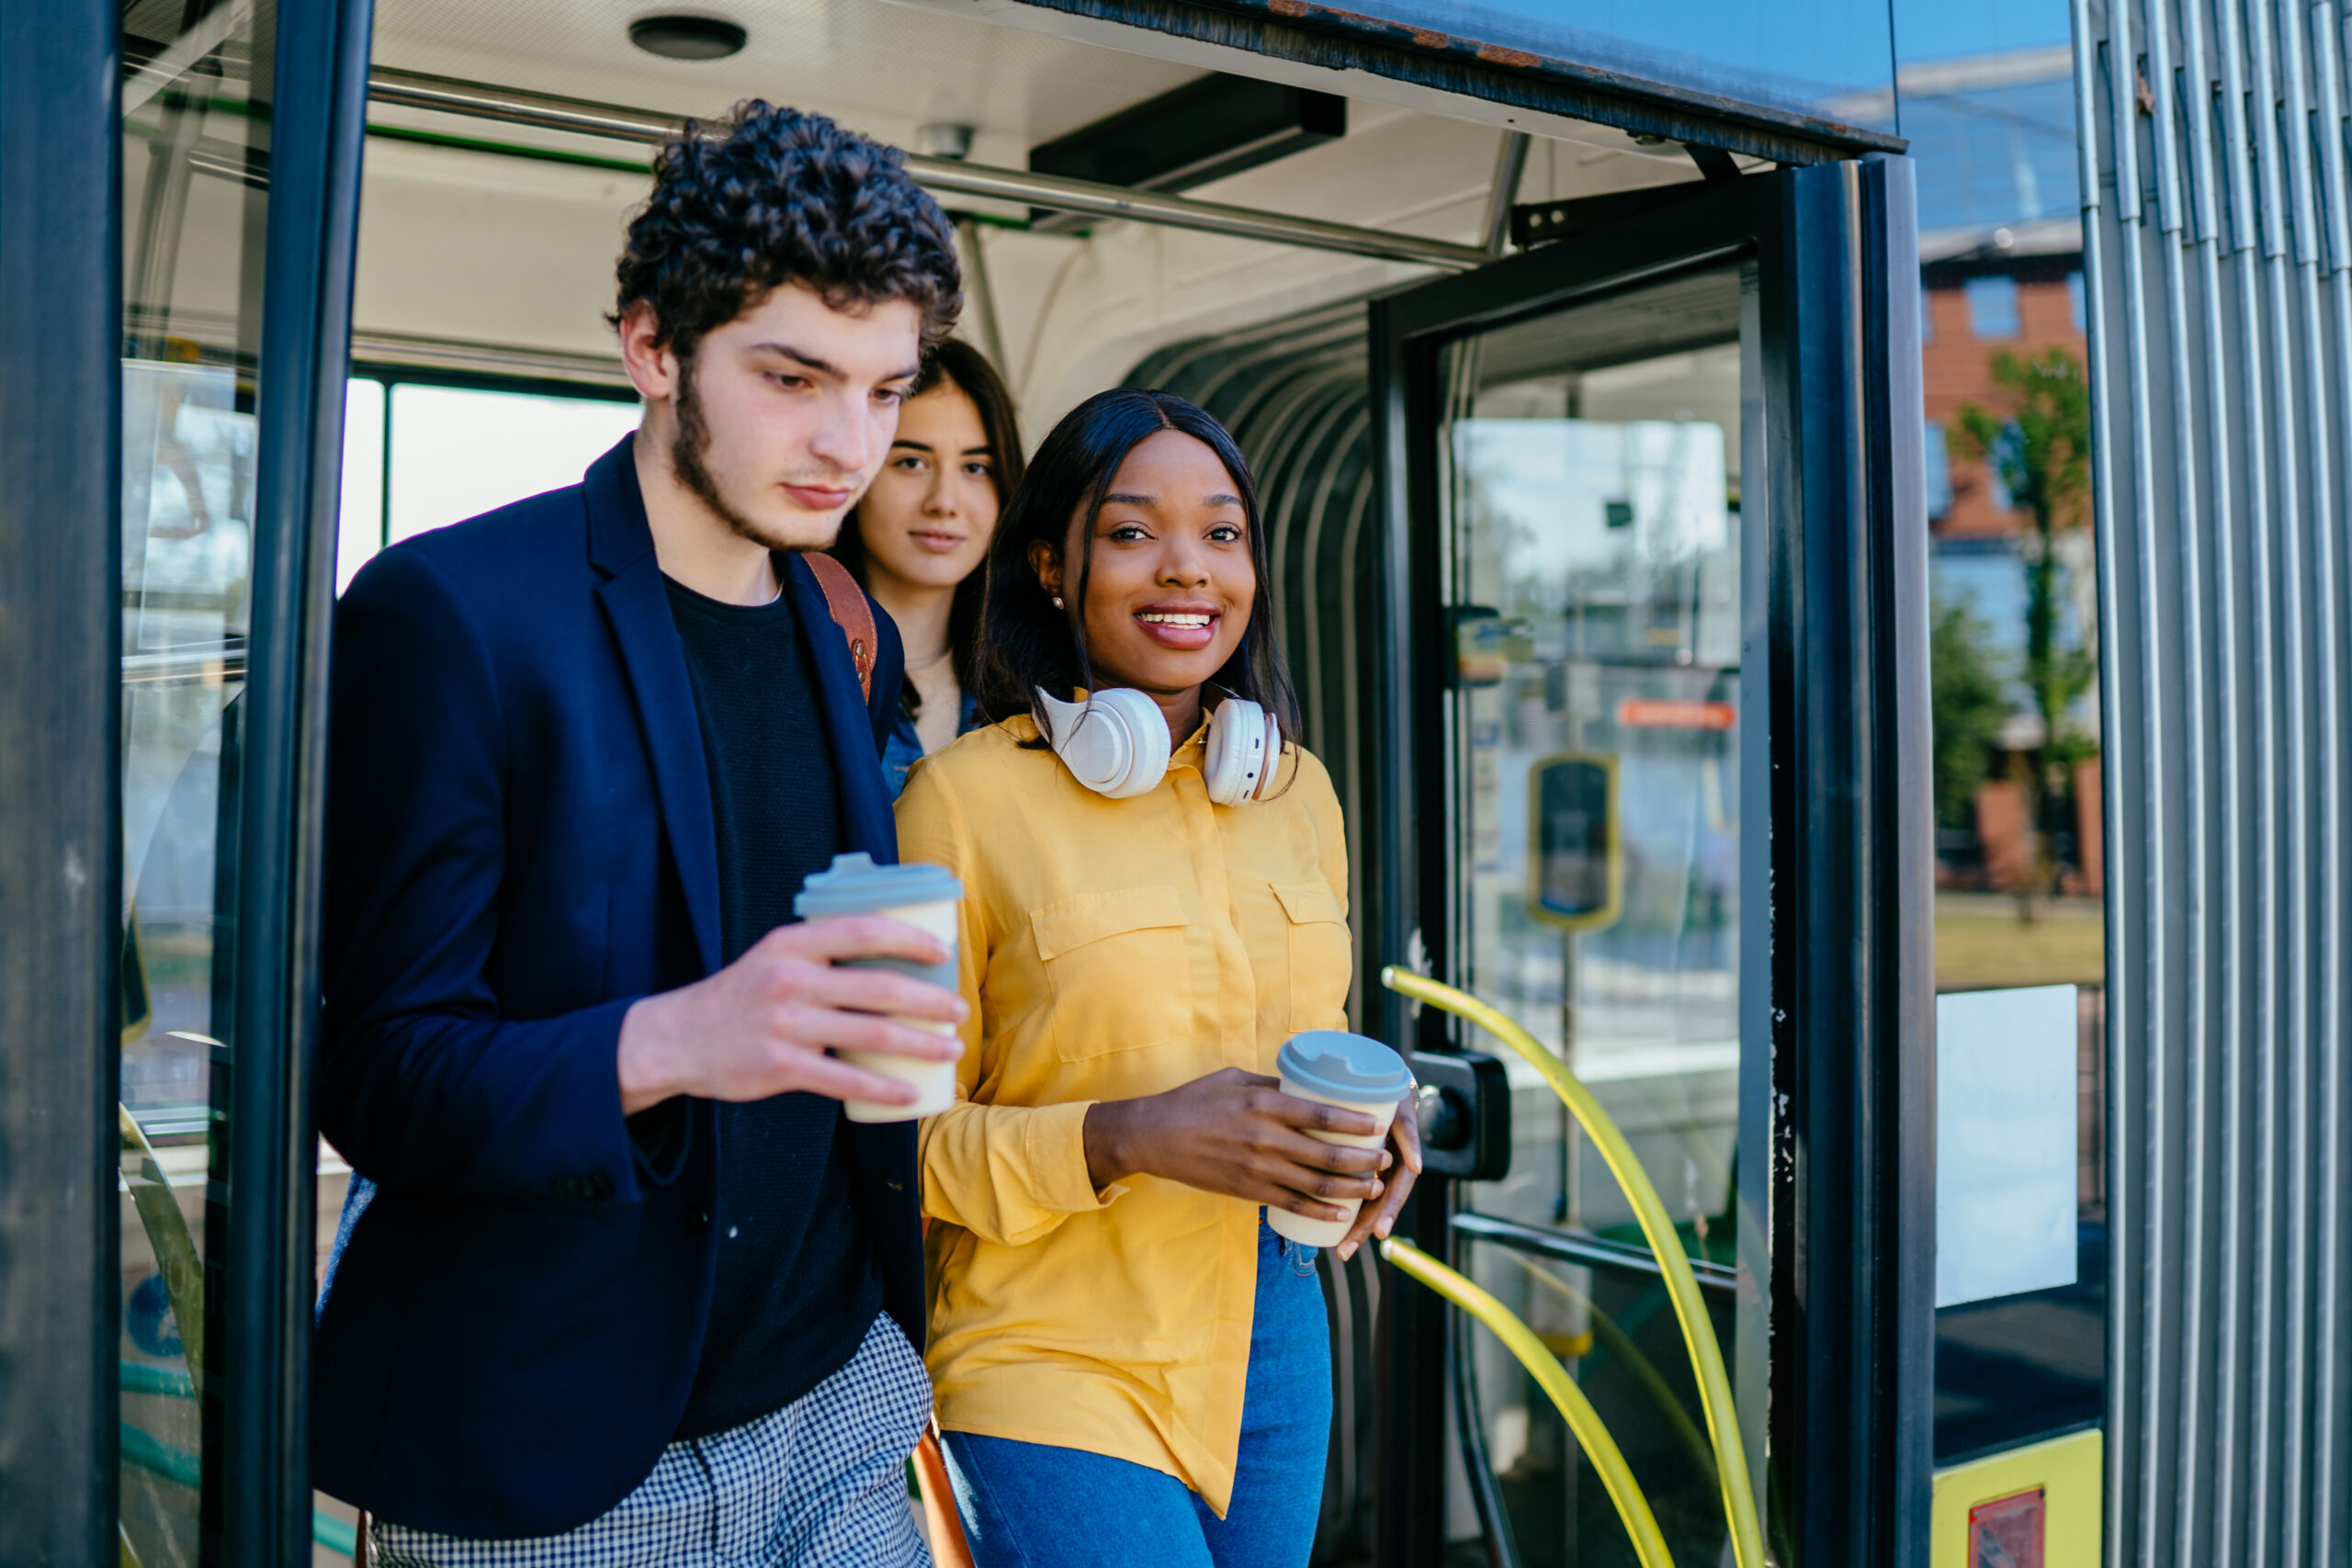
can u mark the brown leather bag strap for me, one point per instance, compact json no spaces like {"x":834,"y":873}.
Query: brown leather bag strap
{"x":852,"y":613}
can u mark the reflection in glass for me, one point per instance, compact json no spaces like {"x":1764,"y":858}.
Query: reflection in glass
{"x":2013,"y":650}
{"x":1994,"y":136}
{"x":195,"y":174}
{"x":1992,"y":307}
{"x":1618,"y":1336}
{"x":1593,"y":463}
{"x":1808,"y":58}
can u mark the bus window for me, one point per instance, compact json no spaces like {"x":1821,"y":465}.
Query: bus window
{"x":420,"y":455}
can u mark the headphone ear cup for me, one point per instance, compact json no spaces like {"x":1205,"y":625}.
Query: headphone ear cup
{"x":1237,"y":763}
{"x":1273,"y":758}
{"x":1145,"y":729}
{"x":1092,"y":741}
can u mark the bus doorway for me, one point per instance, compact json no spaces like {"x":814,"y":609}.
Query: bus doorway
{"x":1608,"y":519}
{"x":1604,"y":606}
{"x":1658,"y":667}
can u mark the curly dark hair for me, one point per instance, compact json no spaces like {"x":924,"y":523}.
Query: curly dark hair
{"x":773,"y":195}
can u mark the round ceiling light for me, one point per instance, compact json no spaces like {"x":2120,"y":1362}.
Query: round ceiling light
{"x":687,"y":38}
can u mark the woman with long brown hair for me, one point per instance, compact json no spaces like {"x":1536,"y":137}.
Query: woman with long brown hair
{"x":917,"y":538}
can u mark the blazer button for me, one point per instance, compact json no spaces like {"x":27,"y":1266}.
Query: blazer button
{"x":699,"y":1222}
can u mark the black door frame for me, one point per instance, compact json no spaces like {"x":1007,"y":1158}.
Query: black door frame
{"x":1843,"y":714}
{"x":259,"y":1489}
{"x":60,"y":312}
{"x":61,"y":801}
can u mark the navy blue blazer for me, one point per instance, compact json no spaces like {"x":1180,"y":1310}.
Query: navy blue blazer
{"x":519,"y":845}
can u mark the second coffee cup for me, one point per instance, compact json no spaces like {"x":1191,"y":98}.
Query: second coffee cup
{"x":1347,"y":1070}
{"x":925,"y":897}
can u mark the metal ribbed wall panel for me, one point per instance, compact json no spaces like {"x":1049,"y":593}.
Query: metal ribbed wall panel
{"x":1295,"y":395}
{"x":2218,"y":288}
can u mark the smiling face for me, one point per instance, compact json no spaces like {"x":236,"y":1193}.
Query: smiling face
{"x":926,"y":519}
{"x":1170,"y":584}
{"x":783,"y":415}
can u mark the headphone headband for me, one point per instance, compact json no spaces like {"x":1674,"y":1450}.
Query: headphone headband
{"x":1115,"y":743}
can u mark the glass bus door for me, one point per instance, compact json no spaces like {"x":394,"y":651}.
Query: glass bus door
{"x":1592,"y":460}
{"x":239,"y":129}
{"x":1613,"y":488}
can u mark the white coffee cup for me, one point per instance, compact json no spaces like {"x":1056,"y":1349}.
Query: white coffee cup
{"x":1336,"y":1068}
{"x":925,"y":897}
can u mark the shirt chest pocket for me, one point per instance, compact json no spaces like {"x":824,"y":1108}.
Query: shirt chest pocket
{"x":1322,"y":956}
{"x":1120,"y":968}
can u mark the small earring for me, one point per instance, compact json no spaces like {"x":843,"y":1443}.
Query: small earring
{"x":1058,"y":601}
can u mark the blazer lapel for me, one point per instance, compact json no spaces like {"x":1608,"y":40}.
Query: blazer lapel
{"x":638,"y":607}
{"x":866,"y":820}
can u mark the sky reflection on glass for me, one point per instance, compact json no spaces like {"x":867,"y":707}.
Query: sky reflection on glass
{"x":1791,"y":54}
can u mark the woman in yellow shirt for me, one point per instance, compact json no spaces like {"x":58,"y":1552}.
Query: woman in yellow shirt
{"x":1132,"y":1369}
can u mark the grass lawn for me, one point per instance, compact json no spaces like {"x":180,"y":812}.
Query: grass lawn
{"x":1980,"y":944}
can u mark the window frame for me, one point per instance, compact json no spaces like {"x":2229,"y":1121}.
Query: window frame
{"x":392,"y":374}
{"x":1977,"y":291}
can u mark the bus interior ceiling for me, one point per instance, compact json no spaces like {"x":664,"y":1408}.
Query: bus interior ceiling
{"x":473,"y":235}
{"x":488,"y":246}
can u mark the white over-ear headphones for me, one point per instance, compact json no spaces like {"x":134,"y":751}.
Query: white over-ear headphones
{"x":1115,"y":743}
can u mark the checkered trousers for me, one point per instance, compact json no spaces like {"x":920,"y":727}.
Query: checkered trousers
{"x":822,"y":1480}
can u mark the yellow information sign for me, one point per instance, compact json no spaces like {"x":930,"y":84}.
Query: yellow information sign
{"x":1574,"y":868}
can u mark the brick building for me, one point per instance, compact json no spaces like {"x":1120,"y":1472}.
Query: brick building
{"x":1974,"y":306}
{"x":2000,"y":247}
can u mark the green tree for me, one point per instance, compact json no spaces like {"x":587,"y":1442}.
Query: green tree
{"x":2041,"y":453}
{"x":1967,"y":701}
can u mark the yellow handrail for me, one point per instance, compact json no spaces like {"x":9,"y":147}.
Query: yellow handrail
{"x":1615,"y":1340}
{"x":1607,"y":1460}
{"x":1674,"y":1263}
{"x":169,"y":1238}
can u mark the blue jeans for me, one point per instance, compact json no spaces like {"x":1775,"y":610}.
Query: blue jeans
{"x":1029,"y":1505}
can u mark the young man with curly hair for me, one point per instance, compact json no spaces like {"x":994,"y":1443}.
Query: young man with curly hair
{"x":628,"y":1289}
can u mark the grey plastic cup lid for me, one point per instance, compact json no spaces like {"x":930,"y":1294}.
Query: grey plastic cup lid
{"x":853,"y":885}
{"x":1345,"y":1067}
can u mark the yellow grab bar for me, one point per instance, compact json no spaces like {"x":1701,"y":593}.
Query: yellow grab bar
{"x":1637,"y":1366}
{"x":1674,"y":1263}
{"x":1607,"y":1460}
{"x":169,"y":1238}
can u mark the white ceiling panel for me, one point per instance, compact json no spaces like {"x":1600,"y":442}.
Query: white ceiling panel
{"x":879,"y":68}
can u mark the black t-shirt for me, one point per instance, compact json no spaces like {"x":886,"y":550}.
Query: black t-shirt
{"x":797,"y":1284}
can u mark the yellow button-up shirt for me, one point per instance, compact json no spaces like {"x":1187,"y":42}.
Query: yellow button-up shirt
{"x":1110,"y":949}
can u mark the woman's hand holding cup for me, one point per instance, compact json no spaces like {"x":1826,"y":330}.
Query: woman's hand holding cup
{"x":1378,"y":1219}
{"x":1235,"y":1133}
